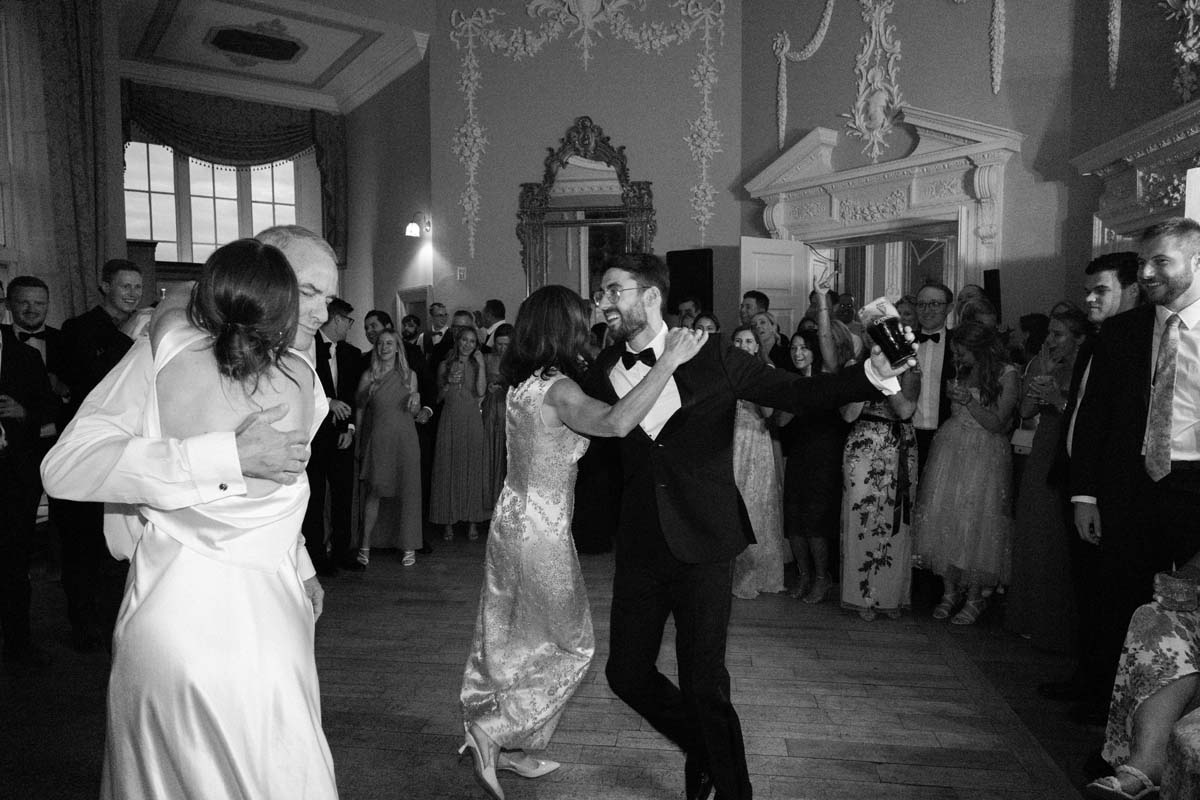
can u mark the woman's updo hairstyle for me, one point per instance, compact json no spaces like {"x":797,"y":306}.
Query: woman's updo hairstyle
{"x":248,"y":300}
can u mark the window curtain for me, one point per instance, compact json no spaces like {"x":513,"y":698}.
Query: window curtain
{"x":241,"y":133}
{"x":70,"y":39}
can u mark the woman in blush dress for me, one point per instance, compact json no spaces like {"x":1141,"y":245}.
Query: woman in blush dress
{"x":496,"y":460}
{"x":758,"y":568}
{"x":213,"y":688}
{"x":963,"y":519}
{"x":533,"y":635}
{"x":458,"y":464}
{"x":390,"y":459}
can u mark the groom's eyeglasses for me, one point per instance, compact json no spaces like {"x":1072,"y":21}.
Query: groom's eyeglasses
{"x":612,"y":293}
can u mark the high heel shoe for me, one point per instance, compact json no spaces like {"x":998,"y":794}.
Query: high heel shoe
{"x":946,"y":607}
{"x":525,"y":765}
{"x":970,"y":611}
{"x":485,"y":773}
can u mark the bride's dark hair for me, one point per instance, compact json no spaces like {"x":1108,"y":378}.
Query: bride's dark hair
{"x":248,"y":300}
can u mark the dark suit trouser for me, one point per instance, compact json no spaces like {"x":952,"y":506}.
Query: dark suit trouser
{"x":19,"y":495}
{"x":330,"y":466}
{"x":1150,"y":534}
{"x":92,"y":579}
{"x":649,"y":586}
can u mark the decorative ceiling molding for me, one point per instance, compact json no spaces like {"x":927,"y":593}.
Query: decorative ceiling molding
{"x":782,"y":46}
{"x":954,"y":174}
{"x":1143,"y":172}
{"x":342,"y":58}
{"x":879,"y":100}
{"x":479,"y":31}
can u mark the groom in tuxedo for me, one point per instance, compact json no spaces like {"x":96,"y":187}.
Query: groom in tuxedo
{"x":682,"y":521}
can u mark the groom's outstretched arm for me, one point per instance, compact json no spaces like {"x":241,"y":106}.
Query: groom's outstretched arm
{"x":753,"y":380}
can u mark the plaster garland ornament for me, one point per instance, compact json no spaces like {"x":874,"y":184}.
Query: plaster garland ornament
{"x":879,"y":100}
{"x":996,"y":33}
{"x":783,"y":54}
{"x":1114,"y":40}
{"x":586,"y":21}
{"x":1187,"y":49}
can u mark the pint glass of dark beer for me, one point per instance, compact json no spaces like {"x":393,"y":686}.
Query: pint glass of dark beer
{"x":888,"y":333}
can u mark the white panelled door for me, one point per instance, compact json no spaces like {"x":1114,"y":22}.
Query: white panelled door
{"x":781,"y":270}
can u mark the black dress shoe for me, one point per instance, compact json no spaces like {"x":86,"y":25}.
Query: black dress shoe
{"x":698,"y":784}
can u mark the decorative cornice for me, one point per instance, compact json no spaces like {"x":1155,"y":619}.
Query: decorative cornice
{"x":1155,"y":137}
{"x":227,"y":86}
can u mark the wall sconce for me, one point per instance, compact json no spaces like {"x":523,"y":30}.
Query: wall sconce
{"x":421,"y":223}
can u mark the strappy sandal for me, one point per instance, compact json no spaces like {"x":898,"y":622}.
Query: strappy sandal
{"x":1110,"y":785}
{"x":801,"y":588}
{"x":820,"y":588}
{"x":946,"y":607}
{"x":970,"y":612}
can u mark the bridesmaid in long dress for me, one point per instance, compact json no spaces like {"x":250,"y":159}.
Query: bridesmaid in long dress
{"x":458,"y":472}
{"x":758,"y":568}
{"x":533,"y":635}
{"x":390,"y":461}
{"x":1041,"y":602}
{"x":496,"y":461}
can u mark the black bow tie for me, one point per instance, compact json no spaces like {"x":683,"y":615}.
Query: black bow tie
{"x":929,"y":337}
{"x":25,"y":336}
{"x":647,"y":357}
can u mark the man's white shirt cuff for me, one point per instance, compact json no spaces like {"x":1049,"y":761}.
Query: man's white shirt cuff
{"x":215,"y":465}
{"x":889,"y":386}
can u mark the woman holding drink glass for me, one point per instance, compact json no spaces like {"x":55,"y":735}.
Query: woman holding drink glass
{"x":1040,"y":601}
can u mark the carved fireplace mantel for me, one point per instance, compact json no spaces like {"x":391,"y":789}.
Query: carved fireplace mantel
{"x":955,"y":173}
{"x":1144,"y":173}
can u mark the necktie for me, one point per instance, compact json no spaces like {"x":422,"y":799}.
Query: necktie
{"x":647,"y":357}
{"x":25,"y":336}
{"x":929,"y":337}
{"x":1162,"y":395}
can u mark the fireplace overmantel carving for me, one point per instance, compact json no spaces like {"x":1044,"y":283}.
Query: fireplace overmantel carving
{"x":1144,"y":173}
{"x":954,"y":173}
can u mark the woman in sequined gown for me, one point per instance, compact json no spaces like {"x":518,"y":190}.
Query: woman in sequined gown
{"x":533,"y":634}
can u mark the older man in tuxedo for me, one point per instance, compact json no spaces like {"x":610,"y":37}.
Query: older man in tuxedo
{"x":1135,"y":452}
{"x":682,"y":521}
{"x":934,"y":302}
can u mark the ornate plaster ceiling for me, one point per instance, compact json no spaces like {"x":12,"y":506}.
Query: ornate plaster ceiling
{"x":329,"y":54}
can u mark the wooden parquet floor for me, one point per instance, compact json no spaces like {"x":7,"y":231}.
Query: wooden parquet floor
{"x":832,"y":707}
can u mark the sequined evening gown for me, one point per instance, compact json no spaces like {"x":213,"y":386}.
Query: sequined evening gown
{"x":533,"y":635}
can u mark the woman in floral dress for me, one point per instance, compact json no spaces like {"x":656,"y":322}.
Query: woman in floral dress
{"x":879,"y":489}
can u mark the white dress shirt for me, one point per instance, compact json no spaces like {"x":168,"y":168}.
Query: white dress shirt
{"x":623,"y":381}
{"x":932,"y":357}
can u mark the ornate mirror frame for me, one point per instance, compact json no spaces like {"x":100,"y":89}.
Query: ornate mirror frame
{"x":586,"y":140}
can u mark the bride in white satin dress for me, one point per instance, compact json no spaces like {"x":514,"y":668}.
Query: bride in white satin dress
{"x":213,"y":692}
{"x":533,"y":635}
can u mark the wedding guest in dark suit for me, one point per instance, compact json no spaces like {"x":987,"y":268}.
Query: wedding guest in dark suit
{"x":1135,"y":462}
{"x":492,"y":318}
{"x":93,"y":344}
{"x":339,"y":366}
{"x":24,"y":392}
{"x":439,"y":326}
{"x":682,"y":521}
{"x":933,"y":354}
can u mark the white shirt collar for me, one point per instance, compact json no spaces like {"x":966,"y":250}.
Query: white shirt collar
{"x":1190,"y":316}
{"x":658,"y":344}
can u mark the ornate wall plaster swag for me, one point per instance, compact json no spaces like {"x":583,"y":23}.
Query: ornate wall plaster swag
{"x":587,"y":22}
{"x":783,"y":54}
{"x":996,"y":41}
{"x":1114,"y":40}
{"x":879,"y":101}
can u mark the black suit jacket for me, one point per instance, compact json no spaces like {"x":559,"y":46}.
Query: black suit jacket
{"x":349,"y":364}
{"x":54,"y":409}
{"x":23,"y":378}
{"x":92,"y":345}
{"x":686,"y":474}
{"x":1106,"y":455}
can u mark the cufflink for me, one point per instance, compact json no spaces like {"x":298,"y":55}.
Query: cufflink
{"x":224,"y":487}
